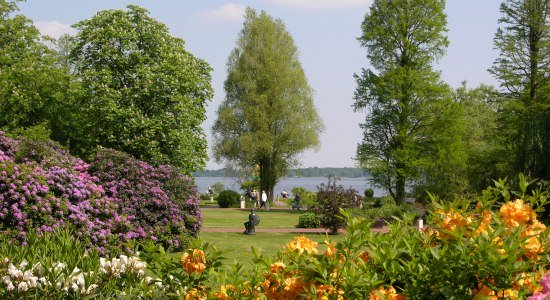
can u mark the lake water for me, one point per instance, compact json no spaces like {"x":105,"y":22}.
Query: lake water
{"x":308,"y":183}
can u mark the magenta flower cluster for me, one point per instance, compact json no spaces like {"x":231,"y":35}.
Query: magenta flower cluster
{"x":545,"y":293}
{"x":114,"y":199}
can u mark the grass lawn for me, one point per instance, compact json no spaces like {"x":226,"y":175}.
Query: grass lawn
{"x":234,"y":218}
{"x":237,"y":246}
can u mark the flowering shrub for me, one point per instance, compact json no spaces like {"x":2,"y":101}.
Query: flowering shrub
{"x":489,"y":252}
{"x":42,"y":188}
{"x":139,"y":191}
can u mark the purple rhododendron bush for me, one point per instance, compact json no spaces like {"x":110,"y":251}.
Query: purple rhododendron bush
{"x":114,"y":199}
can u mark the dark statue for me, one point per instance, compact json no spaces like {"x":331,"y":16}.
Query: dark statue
{"x":253,"y":221}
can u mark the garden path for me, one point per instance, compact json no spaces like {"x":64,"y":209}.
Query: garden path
{"x":283,"y":230}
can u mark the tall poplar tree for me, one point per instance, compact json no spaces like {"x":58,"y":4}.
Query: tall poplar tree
{"x":268,"y":116}
{"x":411,"y":131}
{"x":523,"y":70}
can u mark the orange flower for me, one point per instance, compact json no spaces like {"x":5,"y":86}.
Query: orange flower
{"x":485,"y":224}
{"x":331,"y":250}
{"x":277,"y":267}
{"x":222,"y":293}
{"x":516,"y":213}
{"x":452,"y":219}
{"x":364,"y":256}
{"x":302,"y":244}
{"x":485,"y":293}
{"x":324,"y":290}
{"x":194,"y":294}
{"x":385,"y":294}
{"x":528,"y":282}
{"x":194,"y":262}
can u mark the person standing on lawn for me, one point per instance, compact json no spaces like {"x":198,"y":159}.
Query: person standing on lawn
{"x":264,"y":200}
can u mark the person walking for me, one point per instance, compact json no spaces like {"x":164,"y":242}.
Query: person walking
{"x":255,"y":199}
{"x":264,"y":200}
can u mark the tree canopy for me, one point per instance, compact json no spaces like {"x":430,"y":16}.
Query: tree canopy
{"x":412,"y":125}
{"x":268,"y":116}
{"x":523,"y":70}
{"x":30,"y":83}
{"x":144,"y":94}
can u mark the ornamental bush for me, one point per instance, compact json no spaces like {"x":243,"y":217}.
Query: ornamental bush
{"x":308,"y":220}
{"x":43,"y":188}
{"x":140,"y":192}
{"x":227,"y":198}
{"x":331,"y":198}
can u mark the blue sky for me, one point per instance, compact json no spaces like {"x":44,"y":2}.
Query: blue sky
{"x":325,"y":32}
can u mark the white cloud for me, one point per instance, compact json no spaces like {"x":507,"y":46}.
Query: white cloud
{"x":322,"y":4}
{"x":228,"y":12}
{"x":54,"y":29}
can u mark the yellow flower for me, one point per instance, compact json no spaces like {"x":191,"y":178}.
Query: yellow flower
{"x":194,"y":262}
{"x":222,"y":294}
{"x":302,"y":244}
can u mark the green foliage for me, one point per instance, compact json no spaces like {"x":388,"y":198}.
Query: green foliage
{"x":307,"y":198}
{"x":268,"y":116}
{"x":308,"y":220}
{"x":522,"y":68}
{"x":217,"y":187}
{"x":369,"y":193}
{"x":227,"y":198}
{"x":411,"y":132}
{"x":331,"y":199}
{"x":143,"y":92}
{"x":483,"y":138}
{"x":31,"y":86}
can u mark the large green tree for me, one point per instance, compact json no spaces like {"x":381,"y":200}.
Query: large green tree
{"x":411,"y":123}
{"x":30,"y":83}
{"x":268,"y":117}
{"x":484,"y":141}
{"x":144,"y":94}
{"x":523,"y":70}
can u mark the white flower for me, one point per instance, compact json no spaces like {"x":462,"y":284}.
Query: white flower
{"x":13,"y":272}
{"x":33,"y":281}
{"x":6,"y":280}
{"x":22,"y":286}
{"x":10,"y":287}
{"x":42,"y":280}
{"x":91,"y":288}
{"x":59,"y":266}
{"x":23,"y":264}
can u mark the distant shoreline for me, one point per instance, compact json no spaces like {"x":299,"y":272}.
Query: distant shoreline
{"x":345,"y":172}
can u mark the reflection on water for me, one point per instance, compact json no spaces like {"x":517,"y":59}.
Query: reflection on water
{"x":308,"y":183}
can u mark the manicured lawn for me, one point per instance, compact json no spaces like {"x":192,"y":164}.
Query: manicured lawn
{"x":234,"y":218}
{"x":237,"y":246}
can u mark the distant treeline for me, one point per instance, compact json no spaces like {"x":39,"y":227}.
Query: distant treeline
{"x":306,"y":172}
